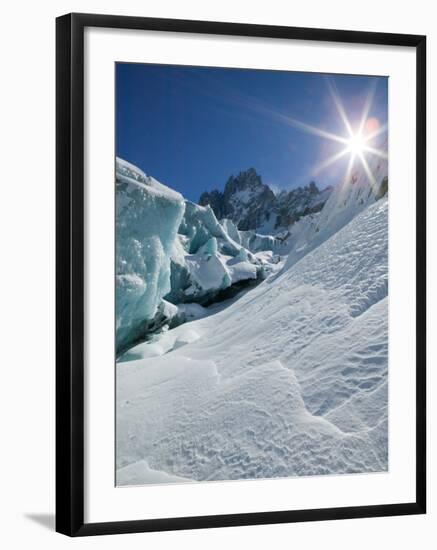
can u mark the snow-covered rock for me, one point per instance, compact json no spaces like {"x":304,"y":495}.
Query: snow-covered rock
{"x":251,"y":205}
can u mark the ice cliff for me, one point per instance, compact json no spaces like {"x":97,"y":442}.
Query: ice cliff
{"x":168,"y":251}
{"x":206,"y":259}
{"x":148,"y":215}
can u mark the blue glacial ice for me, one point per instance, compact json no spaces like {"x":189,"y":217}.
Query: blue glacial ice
{"x":168,"y":251}
{"x":148,"y":215}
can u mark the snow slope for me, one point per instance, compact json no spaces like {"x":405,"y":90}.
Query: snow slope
{"x":291,"y":379}
{"x":346,"y":201}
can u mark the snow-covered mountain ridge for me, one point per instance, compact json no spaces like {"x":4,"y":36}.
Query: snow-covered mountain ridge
{"x":252,"y":205}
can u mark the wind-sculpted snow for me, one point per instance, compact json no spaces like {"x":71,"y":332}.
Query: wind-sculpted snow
{"x":290,"y":379}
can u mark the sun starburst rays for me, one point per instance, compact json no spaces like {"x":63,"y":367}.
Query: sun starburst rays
{"x":376,"y":152}
{"x":357,"y":143}
{"x":311,"y":129}
{"x":330,"y":160}
{"x":339,"y":105}
{"x":367,"y":107}
{"x":377,"y":132}
{"x":369,"y":172}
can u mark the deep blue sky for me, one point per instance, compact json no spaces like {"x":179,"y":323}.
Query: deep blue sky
{"x":192,"y":127}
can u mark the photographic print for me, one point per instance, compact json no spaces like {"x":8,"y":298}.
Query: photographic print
{"x":251,"y":276}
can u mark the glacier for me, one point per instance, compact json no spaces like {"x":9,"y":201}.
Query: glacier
{"x":148,"y":215}
{"x":208,"y":257}
{"x":289,"y":379}
{"x":169,"y":251}
{"x":247,"y":352}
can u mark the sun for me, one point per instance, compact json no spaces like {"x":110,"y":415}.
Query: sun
{"x":356,"y":144}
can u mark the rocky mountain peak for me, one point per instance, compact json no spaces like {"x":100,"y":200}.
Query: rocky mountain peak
{"x":248,"y":179}
{"x":251,"y":204}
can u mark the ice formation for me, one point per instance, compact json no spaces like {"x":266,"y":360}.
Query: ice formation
{"x":148,"y":215}
{"x":208,"y":257}
{"x":168,"y":251}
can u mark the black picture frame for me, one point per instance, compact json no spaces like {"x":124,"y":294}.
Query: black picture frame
{"x":70,"y":273}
